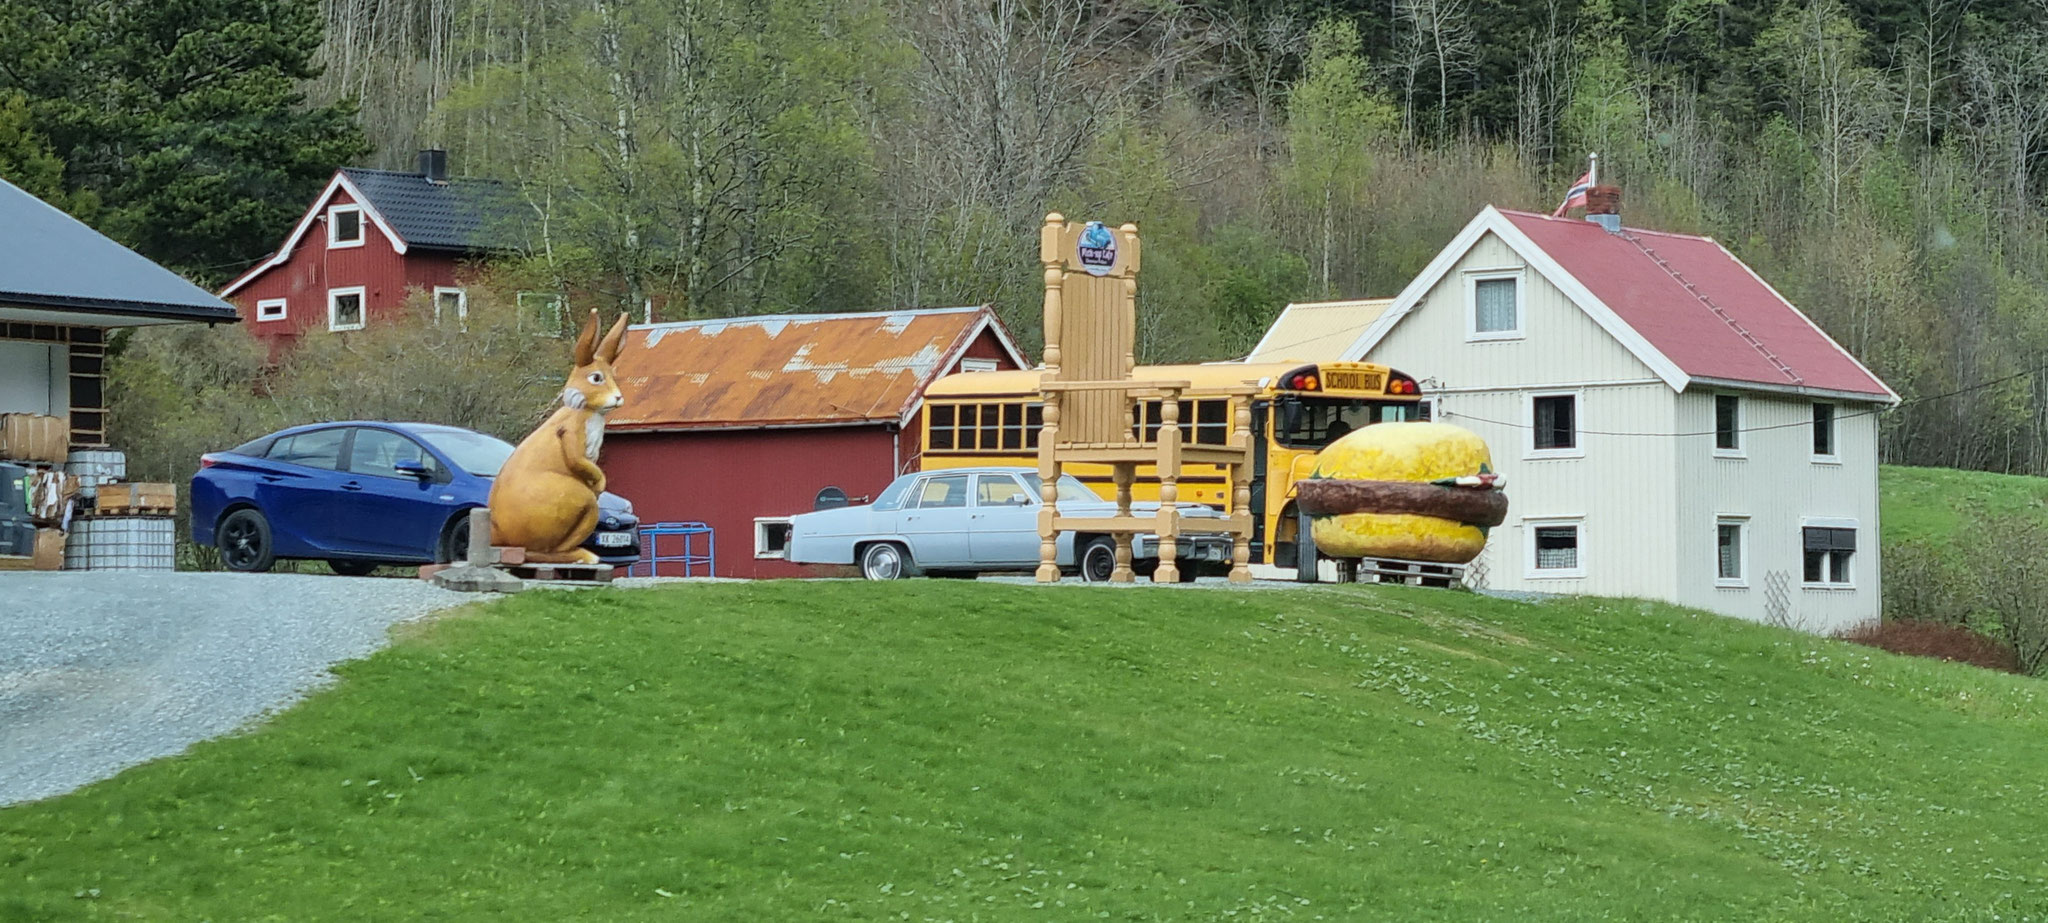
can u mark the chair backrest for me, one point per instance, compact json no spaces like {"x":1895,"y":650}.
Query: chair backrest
{"x":1091,"y":322}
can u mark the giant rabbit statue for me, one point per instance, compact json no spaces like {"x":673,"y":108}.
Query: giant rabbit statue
{"x":545,"y":497}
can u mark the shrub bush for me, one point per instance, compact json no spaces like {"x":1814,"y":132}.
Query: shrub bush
{"x":1934,"y":639}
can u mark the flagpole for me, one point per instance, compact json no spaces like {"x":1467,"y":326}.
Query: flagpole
{"x":1593,"y":171}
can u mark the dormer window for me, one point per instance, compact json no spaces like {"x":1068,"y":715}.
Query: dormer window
{"x":344,"y":226}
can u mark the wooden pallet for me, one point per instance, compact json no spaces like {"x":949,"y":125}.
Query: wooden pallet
{"x":1389,"y":570}
{"x":104,"y":511}
{"x":561,"y":573}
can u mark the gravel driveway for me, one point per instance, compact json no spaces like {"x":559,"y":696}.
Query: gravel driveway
{"x":101,"y":671}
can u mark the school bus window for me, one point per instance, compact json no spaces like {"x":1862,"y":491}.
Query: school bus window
{"x":1212,"y":422}
{"x":1013,"y":426}
{"x":1034,"y":422}
{"x":970,"y":416}
{"x":941,"y":425}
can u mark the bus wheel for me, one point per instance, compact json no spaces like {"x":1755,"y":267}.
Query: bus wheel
{"x":1305,"y":556}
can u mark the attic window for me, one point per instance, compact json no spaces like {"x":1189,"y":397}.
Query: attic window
{"x":344,"y":226}
{"x":970,"y":364}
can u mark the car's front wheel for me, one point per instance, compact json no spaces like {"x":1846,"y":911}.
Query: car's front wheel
{"x":1098,"y":560}
{"x":455,"y":541}
{"x":885,"y":561}
{"x":244,"y":542}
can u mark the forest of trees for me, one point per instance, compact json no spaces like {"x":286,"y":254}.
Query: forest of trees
{"x":1882,"y":162}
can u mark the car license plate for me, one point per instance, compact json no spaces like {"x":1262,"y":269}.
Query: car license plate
{"x":614,"y":539}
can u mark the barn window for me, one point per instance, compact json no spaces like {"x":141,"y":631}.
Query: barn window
{"x":1824,"y":431}
{"x":345,"y":308}
{"x":1727,"y":424}
{"x":1554,"y":424}
{"x":270,"y":309}
{"x":540,"y":313}
{"x":1829,"y":551}
{"x":344,"y":226}
{"x":771,"y":538}
{"x":450,"y":303}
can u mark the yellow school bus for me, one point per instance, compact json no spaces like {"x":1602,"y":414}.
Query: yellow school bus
{"x":993,"y":418}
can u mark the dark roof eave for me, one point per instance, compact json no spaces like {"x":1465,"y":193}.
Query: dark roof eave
{"x":223,"y":314}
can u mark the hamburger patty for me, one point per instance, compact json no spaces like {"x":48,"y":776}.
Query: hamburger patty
{"x":1339,"y":497}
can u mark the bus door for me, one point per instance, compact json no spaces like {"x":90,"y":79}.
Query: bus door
{"x":1258,"y":485}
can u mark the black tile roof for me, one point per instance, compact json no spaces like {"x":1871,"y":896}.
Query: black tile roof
{"x":460,"y":214}
{"x":52,"y":261}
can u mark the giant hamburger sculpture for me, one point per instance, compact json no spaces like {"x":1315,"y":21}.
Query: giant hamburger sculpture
{"x":1406,"y":491}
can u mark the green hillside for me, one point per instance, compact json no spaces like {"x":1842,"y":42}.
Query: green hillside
{"x":947,"y":751}
{"x":1933,"y":504}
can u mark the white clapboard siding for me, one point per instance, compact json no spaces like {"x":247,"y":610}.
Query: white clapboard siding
{"x":1648,"y":504}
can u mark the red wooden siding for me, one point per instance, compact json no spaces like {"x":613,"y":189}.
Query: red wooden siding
{"x":727,"y":479}
{"x":305,"y":278}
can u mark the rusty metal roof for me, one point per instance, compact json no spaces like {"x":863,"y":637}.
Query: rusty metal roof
{"x":792,"y":369}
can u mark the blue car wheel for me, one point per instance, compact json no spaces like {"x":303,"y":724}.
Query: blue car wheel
{"x":244,"y":542}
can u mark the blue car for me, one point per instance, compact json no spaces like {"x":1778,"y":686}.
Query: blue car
{"x":360,"y":494}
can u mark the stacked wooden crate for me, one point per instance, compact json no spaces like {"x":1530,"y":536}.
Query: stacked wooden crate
{"x":125,"y":525}
{"x":35,"y":491}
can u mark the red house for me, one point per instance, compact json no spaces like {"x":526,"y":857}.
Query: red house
{"x":742,"y":422}
{"x":370,"y":238}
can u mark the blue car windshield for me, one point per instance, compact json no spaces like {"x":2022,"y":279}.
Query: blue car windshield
{"x":475,"y":453}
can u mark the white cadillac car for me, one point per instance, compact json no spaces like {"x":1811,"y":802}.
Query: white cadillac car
{"x":963,"y":522}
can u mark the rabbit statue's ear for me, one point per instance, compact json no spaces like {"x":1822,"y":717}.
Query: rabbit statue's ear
{"x":586,"y":342}
{"x":609,"y":349}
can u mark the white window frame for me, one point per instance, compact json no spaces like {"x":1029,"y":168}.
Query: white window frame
{"x":264,"y":306}
{"x":1472,"y":279}
{"x":1817,"y":522}
{"x":1741,"y":524}
{"x":971,"y":364}
{"x":362,"y":227}
{"x":334,"y":296}
{"x":1578,"y":449}
{"x":1834,"y":433}
{"x":1529,"y":526}
{"x":461,"y":302}
{"x":1741,"y":449}
{"x":761,"y":525}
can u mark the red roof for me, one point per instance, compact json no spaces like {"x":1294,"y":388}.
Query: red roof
{"x":792,"y":369}
{"x":1643,"y":276}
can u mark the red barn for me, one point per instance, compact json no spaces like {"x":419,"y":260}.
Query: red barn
{"x":741,"y":422}
{"x":370,"y":238}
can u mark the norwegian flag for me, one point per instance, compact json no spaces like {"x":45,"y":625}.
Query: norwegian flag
{"x":1577,"y":196}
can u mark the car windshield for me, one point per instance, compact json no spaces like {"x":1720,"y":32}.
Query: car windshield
{"x":475,"y":453}
{"x":1071,"y":489}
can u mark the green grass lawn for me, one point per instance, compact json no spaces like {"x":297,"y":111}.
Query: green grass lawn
{"x":937,"y":750}
{"x":1932,"y":504}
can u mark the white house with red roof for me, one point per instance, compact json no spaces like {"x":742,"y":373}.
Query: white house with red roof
{"x":1669,"y":425}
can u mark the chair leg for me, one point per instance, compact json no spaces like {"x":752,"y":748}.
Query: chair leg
{"x":1123,"y":475}
{"x":1169,"y":531}
{"x":1048,"y":513}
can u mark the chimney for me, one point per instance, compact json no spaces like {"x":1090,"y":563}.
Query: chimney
{"x":1603,"y":207}
{"x":434,"y":165}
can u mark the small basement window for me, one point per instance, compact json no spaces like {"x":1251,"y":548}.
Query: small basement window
{"x":771,"y":538}
{"x":270,"y":309}
{"x":1554,"y":549}
{"x":345,"y":226}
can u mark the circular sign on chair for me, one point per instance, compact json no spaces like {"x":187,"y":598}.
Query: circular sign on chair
{"x":1096,"y":251}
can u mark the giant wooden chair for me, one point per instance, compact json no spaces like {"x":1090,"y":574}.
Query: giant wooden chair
{"x":1095,"y":412}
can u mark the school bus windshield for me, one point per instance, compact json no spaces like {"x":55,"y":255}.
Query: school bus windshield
{"x":1314,"y":422}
